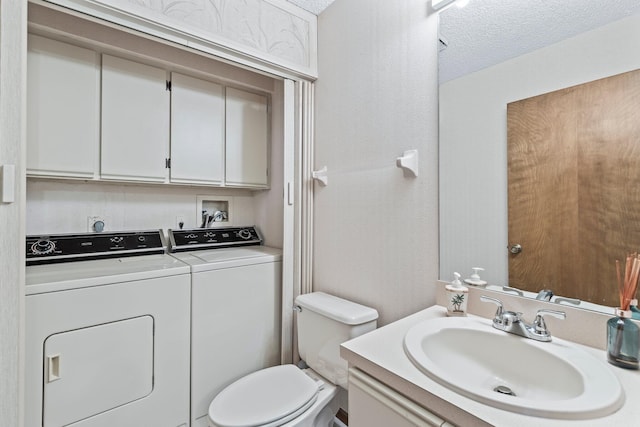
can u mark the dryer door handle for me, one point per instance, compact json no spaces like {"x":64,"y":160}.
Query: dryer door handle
{"x":53,"y":368}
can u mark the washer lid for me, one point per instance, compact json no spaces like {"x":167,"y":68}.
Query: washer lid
{"x":268,"y":397}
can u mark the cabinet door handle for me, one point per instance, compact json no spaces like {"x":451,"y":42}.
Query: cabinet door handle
{"x":289,"y":194}
{"x":8,"y":182}
{"x":53,"y":368}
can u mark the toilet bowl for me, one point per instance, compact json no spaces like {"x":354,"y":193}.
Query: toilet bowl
{"x":287,"y":396}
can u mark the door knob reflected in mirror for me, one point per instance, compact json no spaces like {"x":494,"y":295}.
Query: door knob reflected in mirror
{"x":515,"y":249}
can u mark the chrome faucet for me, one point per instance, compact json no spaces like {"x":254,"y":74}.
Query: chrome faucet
{"x":512,"y":322}
{"x":545,"y":295}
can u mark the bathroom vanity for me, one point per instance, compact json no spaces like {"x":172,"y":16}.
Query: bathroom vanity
{"x":386,"y":388}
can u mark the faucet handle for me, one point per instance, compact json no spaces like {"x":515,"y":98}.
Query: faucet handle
{"x":495,"y":301}
{"x":514,"y":290}
{"x":539,"y":323}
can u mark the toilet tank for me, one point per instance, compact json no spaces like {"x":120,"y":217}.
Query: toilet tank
{"x":324,"y":322}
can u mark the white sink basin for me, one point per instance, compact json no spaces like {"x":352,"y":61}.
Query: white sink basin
{"x":554,"y":379}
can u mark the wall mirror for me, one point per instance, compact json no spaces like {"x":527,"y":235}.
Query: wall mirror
{"x":494,"y":53}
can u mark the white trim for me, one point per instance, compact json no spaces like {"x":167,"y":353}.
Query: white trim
{"x":289,"y":246}
{"x":303,"y":225}
{"x":145,"y":20}
{"x":13,"y":89}
{"x":307,"y":185}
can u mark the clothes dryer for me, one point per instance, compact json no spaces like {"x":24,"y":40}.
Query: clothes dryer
{"x":235,"y":308}
{"x":107,"y":331}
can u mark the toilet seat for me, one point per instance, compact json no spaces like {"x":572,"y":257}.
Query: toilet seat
{"x":266,"y":398}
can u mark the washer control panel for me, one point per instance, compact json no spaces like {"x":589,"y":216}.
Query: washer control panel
{"x":77,"y":247}
{"x":212,"y":238}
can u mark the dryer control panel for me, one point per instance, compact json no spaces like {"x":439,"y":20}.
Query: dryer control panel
{"x":77,"y":247}
{"x":212,"y":238}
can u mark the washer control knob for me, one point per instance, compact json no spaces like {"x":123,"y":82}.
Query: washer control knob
{"x":141,"y":239}
{"x":43,"y":247}
{"x":244,"y":234}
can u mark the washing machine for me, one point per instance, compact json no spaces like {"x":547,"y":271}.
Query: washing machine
{"x":107,"y":331}
{"x":235,"y":308}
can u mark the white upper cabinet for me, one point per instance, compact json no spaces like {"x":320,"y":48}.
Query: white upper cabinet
{"x":197,"y":131}
{"x":247,"y":139}
{"x":135,"y":121}
{"x":63,"y":109}
{"x":118,"y":119}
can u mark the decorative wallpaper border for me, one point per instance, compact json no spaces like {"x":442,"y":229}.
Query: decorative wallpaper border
{"x":274,"y":32}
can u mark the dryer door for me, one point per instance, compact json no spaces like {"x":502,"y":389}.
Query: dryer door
{"x":95,"y":369}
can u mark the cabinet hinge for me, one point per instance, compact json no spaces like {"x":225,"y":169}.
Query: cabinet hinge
{"x":167,"y":163}
{"x":169,"y":85}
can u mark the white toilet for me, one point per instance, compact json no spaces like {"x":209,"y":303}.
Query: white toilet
{"x":287,"y":396}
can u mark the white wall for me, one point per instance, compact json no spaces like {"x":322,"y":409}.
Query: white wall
{"x":63,"y":206}
{"x":376,"y":231}
{"x":473,"y":138}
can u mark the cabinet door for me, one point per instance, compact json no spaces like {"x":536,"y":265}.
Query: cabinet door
{"x":197,"y":131}
{"x":63,"y":109}
{"x":135,"y":121}
{"x":247,"y":138}
{"x":374,"y":404}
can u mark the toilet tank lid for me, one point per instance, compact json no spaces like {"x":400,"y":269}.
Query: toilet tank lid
{"x":338,"y":309}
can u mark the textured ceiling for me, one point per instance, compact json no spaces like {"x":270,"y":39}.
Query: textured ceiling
{"x":313,"y":6}
{"x":487,"y":32}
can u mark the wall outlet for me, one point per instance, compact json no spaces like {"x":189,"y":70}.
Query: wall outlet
{"x":92,"y":227}
{"x":180,"y":222}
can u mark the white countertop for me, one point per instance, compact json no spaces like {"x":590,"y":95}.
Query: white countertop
{"x":381,"y":354}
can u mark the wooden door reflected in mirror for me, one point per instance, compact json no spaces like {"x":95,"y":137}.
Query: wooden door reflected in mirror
{"x":574,"y":187}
